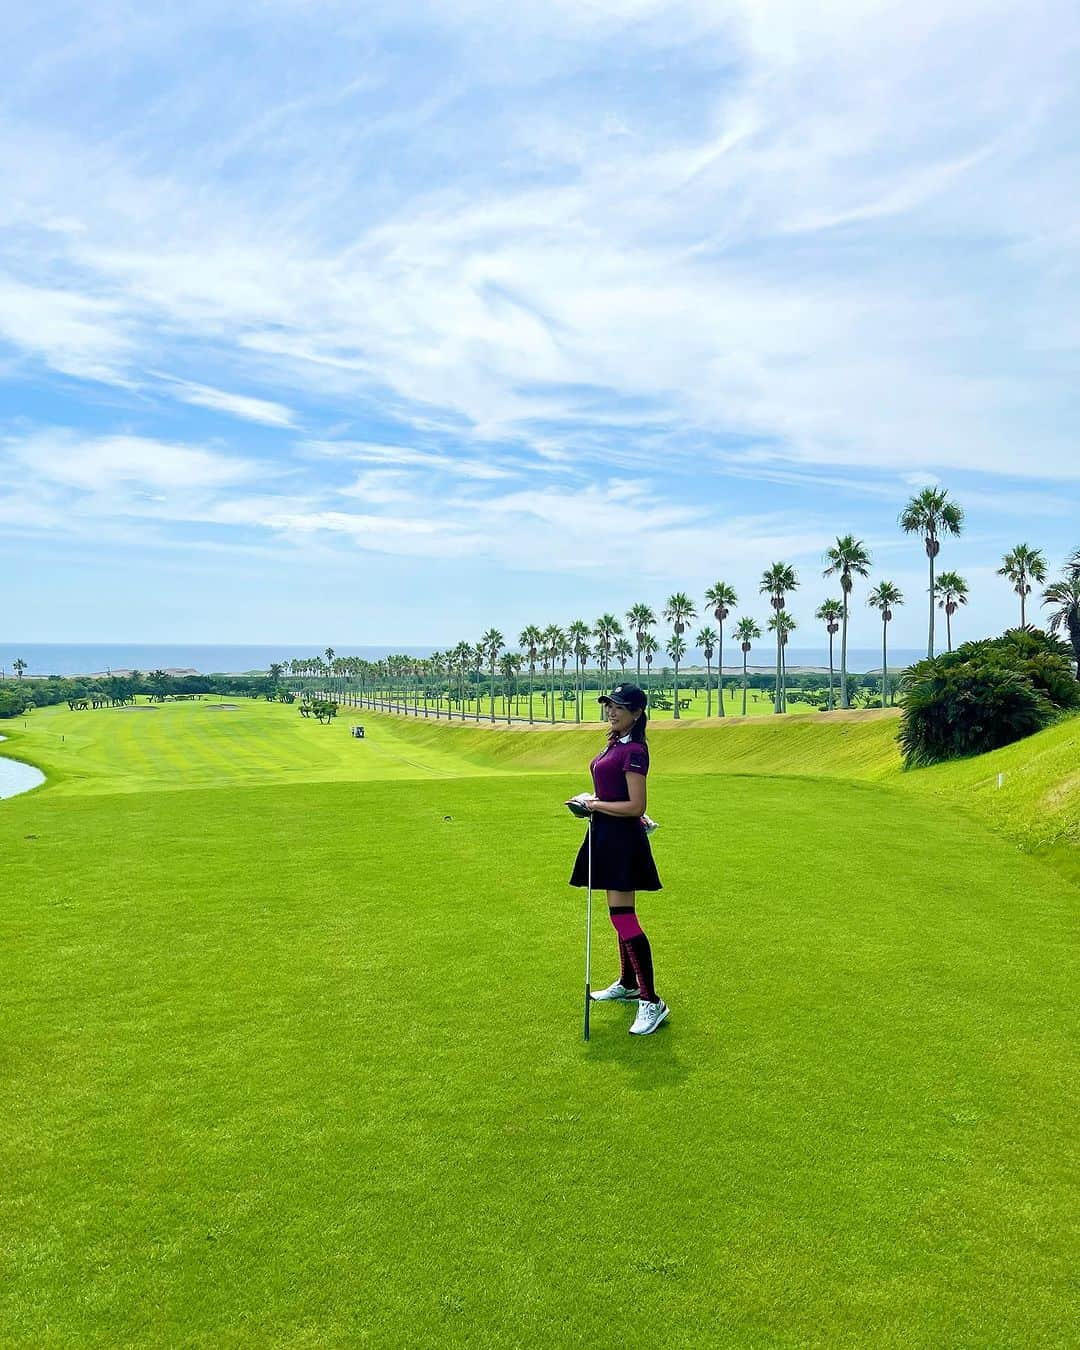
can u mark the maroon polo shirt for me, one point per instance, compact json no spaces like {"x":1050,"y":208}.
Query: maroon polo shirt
{"x":610,"y":767}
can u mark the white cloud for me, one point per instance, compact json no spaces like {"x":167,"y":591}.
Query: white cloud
{"x":236,"y":405}
{"x":772,"y":255}
{"x":404,"y":456}
{"x":106,"y":463}
{"x":79,"y":335}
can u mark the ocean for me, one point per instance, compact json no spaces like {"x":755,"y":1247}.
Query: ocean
{"x":97,"y":658}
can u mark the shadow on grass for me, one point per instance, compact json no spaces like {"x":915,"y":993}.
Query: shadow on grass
{"x":650,"y":1062}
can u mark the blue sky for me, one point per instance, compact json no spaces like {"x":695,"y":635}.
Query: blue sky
{"x":328,"y":323}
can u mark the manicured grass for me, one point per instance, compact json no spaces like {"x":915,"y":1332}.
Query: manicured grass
{"x":300,"y":1063}
{"x":186,"y":745}
{"x":183,"y":745}
{"x":1038,"y":801}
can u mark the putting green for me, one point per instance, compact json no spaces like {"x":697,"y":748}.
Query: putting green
{"x":300,"y":1063}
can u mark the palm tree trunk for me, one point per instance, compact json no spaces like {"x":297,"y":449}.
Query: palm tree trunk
{"x":831,"y":677}
{"x":843,"y":656}
{"x":930,"y":641}
{"x":744,"y":684}
{"x":720,"y":674}
{"x":675,"y":701}
{"x":708,"y":689}
{"x":783,"y":677}
{"x":776,"y":695}
{"x":948,"y":627}
{"x":884,"y":667}
{"x":1021,"y":588}
{"x":577,"y":687}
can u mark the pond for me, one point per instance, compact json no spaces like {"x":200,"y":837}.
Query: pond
{"x":16,"y":777}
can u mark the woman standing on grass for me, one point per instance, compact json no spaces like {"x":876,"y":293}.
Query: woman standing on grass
{"x":622,"y":860}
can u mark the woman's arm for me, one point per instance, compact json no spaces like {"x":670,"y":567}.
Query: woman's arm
{"x":635,"y":785}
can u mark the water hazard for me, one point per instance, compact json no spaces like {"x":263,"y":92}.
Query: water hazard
{"x":16,"y":777}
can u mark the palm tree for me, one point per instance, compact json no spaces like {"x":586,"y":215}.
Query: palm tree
{"x":747,"y":632}
{"x":783,"y":625}
{"x":640,"y":619}
{"x":479,"y":652}
{"x":849,"y":557}
{"x":1022,"y":566}
{"x":678,"y":611}
{"x":722,"y":597}
{"x":578,"y":634}
{"x":606,"y":629}
{"x":830,"y":612}
{"x":951,"y":590}
{"x":531,"y":638}
{"x":564,"y":652}
{"x":436,"y":669}
{"x":553,"y":638}
{"x":676,"y":649}
{"x":706,"y":641}
{"x":490,"y":645}
{"x":18,"y":666}
{"x":883,"y":598}
{"x":1065,"y":594}
{"x":509,"y":664}
{"x":930,"y":513}
{"x":459,"y":659}
{"x":650,"y":647}
{"x":775,"y":582}
{"x":623,"y":652}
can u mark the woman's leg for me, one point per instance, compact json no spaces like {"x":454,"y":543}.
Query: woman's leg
{"x":635,"y":954}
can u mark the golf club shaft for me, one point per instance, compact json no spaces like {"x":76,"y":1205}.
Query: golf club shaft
{"x":588,"y":933}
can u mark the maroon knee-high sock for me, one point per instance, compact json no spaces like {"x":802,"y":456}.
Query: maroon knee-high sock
{"x":627,"y":974}
{"x":636,"y":947}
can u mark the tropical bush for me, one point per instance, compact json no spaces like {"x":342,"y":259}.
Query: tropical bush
{"x":14,"y":702}
{"x":984,"y":695}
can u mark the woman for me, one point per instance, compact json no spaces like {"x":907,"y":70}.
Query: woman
{"x":622,"y":861}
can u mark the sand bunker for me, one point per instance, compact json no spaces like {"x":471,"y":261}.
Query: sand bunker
{"x":227,"y":707}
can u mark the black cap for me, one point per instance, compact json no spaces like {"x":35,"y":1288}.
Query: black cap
{"x":626,"y":696}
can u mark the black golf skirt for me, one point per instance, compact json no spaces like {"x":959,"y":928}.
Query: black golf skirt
{"x":621,"y":857}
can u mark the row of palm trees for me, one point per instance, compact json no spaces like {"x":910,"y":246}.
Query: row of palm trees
{"x":930,"y":513}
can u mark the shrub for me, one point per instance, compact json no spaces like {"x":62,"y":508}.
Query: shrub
{"x":984,"y":695}
{"x":13,"y":703}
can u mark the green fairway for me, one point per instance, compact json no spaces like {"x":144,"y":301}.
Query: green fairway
{"x":292,"y":1041}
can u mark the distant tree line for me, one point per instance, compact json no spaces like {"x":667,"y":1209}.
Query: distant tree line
{"x":582,"y":656}
{"x":19,"y":696}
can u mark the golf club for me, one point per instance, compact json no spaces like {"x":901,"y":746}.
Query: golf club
{"x":584,"y":813}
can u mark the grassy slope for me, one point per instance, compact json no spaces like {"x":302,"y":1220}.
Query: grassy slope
{"x":190,"y":744}
{"x":302,"y":1065}
{"x":185,"y":745}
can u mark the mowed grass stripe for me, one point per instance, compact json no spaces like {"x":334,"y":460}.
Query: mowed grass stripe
{"x":188,"y":745}
{"x":303,"y":1065}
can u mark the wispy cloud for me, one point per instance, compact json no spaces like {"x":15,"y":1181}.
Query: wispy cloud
{"x":633,"y":251}
{"x":260,"y":410}
{"x":103,"y":463}
{"x":662,"y":282}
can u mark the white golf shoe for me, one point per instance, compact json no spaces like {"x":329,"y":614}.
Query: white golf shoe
{"x":617,"y":993}
{"x":649,"y":1016}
